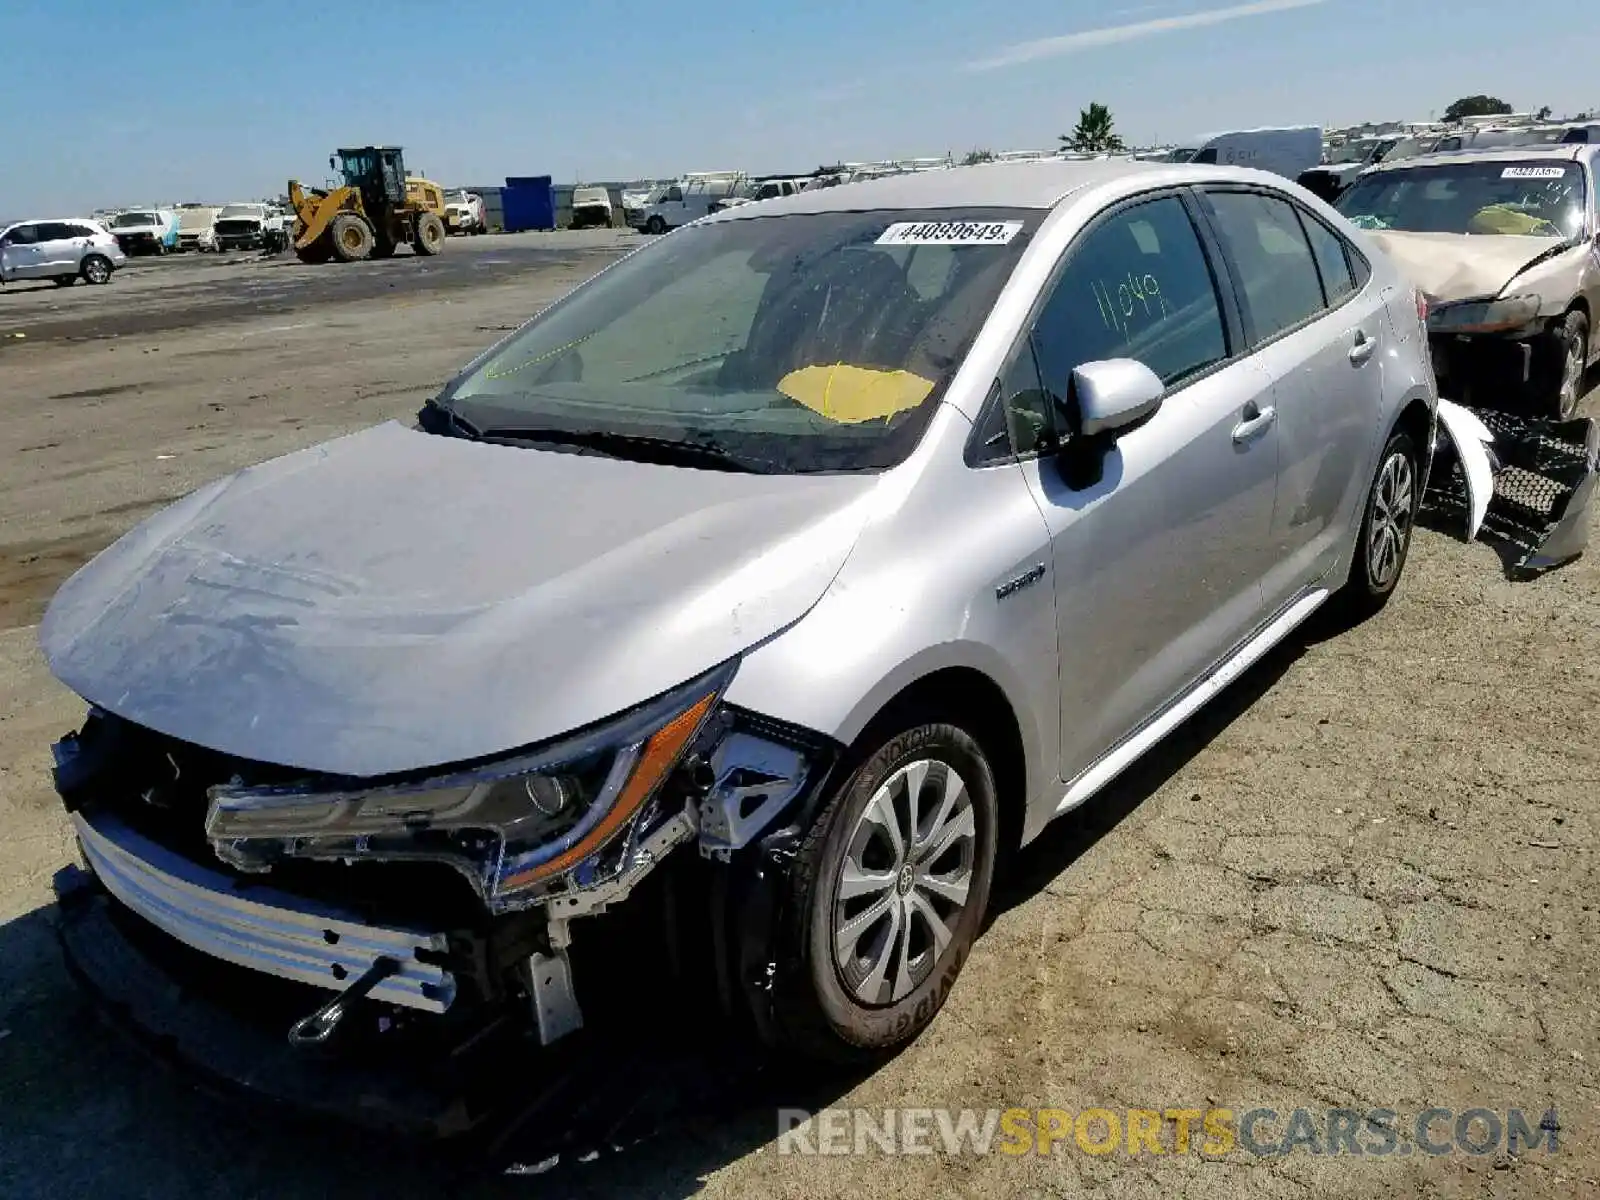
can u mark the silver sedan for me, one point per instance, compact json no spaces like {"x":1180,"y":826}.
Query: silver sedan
{"x":850,"y":537}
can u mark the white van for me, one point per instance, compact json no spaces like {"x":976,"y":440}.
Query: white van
{"x":1286,"y":151}
{"x":690,"y":198}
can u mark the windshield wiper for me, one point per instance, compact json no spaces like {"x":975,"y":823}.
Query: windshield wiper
{"x":685,"y":452}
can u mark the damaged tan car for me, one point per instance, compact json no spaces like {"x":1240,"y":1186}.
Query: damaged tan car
{"x":1505,"y":245}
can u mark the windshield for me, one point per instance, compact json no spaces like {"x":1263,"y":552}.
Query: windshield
{"x":241,"y":210}
{"x":811,"y":342}
{"x":1354,"y":152}
{"x":129,"y":219}
{"x":1537,"y":198}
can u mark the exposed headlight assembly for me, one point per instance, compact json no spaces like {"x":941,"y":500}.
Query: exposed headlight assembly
{"x":513,"y":826}
{"x":1484,"y":316}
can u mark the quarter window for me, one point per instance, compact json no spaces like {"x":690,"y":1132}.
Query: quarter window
{"x":1338,"y":284}
{"x":1137,"y":285}
{"x":1275,"y":264}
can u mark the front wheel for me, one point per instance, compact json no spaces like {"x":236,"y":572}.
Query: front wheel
{"x":96,"y":268}
{"x":655,"y":225}
{"x":1387,"y":523}
{"x":889,"y":891}
{"x":428,"y":237}
{"x":350,"y":237}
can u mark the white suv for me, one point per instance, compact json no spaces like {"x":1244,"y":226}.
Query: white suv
{"x":64,"y":251}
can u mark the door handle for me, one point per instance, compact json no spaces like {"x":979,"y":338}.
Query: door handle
{"x":1363,"y":349}
{"x":1256,"y":422}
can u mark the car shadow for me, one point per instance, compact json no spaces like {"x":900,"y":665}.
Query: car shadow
{"x":1066,"y":840}
{"x":22,"y":289}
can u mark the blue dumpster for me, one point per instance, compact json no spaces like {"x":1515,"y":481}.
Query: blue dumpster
{"x":529,"y":202}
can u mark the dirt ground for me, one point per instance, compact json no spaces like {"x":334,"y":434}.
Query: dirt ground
{"x":1365,"y":878}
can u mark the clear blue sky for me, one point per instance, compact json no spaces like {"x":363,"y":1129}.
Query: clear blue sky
{"x":164,"y":100}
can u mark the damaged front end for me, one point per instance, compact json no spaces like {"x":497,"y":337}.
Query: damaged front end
{"x":419,"y":924}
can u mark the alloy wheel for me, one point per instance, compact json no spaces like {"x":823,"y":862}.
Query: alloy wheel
{"x":1393,"y":508}
{"x":905,"y":880}
{"x":1571,"y":378}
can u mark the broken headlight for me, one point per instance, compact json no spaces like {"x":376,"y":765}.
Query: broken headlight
{"x":512,"y":826}
{"x":1484,"y":316}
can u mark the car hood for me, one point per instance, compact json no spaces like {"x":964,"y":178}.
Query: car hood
{"x":1460,"y":266}
{"x":394,"y":599}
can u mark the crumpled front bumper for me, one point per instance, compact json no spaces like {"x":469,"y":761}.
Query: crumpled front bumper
{"x":256,"y":927}
{"x":1544,"y":477}
{"x":167,"y":1013}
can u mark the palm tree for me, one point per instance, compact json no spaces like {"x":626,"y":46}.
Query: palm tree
{"x":1094,"y":132}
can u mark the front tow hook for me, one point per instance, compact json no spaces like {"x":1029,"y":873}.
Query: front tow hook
{"x":315,"y":1030}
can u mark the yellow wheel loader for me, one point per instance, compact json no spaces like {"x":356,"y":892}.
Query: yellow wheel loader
{"x":375,"y":209}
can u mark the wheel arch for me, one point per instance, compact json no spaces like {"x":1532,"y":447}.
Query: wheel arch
{"x":971,"y":700}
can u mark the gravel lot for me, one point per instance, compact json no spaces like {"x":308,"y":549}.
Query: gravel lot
{"x":1365,"y":878}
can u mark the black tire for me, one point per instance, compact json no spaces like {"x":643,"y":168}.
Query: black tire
{"x":655,"y":225}
{"x":1391,"y":504}
{"x":95,"y":268}
{"x":65,"y":280}
{"x":1570,"y":358}
{"x":350,"y":238}
{"x":427,"y":236}
{"x":819,"y":997}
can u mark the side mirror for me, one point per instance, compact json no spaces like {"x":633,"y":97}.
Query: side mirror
{"x":1115,"y":394}
{"x":333,"y":164}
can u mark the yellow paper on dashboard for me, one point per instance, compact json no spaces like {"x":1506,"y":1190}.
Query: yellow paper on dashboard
{"x":1503,"y":219}
{"x":850,"y":394}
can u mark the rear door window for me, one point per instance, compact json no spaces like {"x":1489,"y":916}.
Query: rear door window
{"x":1276,"y":267}
{"x":1333,"y":263}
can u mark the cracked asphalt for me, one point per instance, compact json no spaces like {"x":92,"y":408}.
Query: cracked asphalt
{"x":1365,"y":878}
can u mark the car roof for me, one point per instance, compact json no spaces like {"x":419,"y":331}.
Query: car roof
{"x":1038,"y":184}
{"x":49,"y":221}
{"x":1560,"y":152}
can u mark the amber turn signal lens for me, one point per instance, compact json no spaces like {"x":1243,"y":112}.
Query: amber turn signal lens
{"x":660,"y":753}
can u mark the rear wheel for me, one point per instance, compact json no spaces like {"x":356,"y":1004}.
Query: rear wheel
{"x":1386,"y":527}
{"x":96,"y":268}
{"x":428,"y":236}
{"x":351,"y":238}
{"x":888,"y":894}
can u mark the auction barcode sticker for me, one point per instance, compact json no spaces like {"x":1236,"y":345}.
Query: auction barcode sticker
{"x":1534,"y":173}
{"x":950,"y":233}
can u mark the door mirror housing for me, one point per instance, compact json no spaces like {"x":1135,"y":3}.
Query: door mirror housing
{"x":1114,"y":395}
